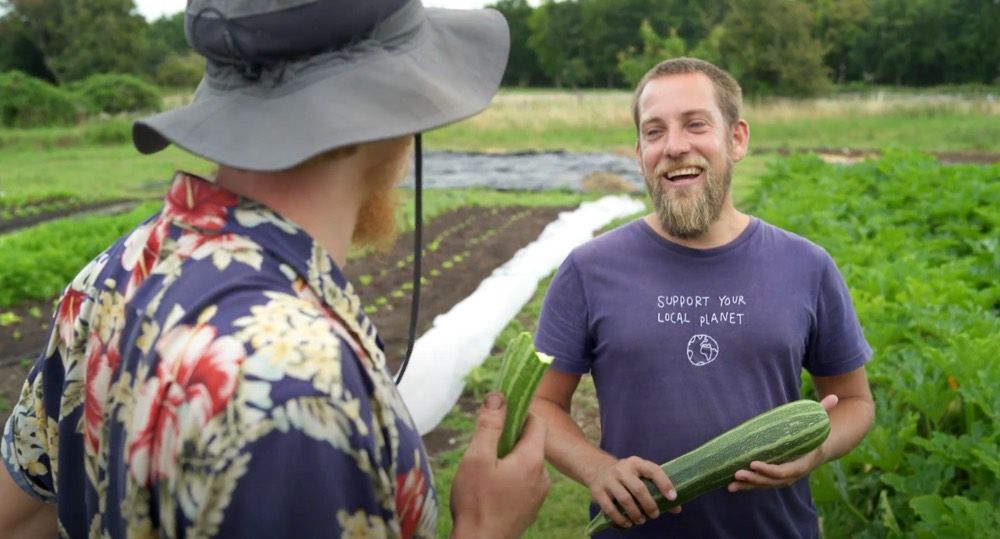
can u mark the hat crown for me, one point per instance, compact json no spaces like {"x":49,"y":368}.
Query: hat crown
{"x":256,"y":33}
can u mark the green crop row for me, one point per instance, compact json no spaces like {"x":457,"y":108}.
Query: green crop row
{"x":37,"y":262}
{"x":21,"y":207}
{"x":919,"y":245}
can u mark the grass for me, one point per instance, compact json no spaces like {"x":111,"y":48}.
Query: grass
{"x":564,"y":512}
{"x":601,"y":121}
{"x":92,"y":172}
{"x":96,"y":160}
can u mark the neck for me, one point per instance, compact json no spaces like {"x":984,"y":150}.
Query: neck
{"x":730,"y":224}
{"x":322,"y":198}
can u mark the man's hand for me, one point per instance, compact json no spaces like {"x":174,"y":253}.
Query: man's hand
{"x":764,"y":475}
{"x":498,"y":498}
{"x":619,"y":485}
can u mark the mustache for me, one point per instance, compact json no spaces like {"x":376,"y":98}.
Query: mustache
{"x":665,"y":166}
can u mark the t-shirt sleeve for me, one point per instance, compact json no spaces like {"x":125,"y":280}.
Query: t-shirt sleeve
{"x":837,"y":344}
{"x":27,"y":448}
{"x":563,"y":323}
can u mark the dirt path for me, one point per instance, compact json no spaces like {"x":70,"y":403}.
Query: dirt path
{"x":854,"y":155}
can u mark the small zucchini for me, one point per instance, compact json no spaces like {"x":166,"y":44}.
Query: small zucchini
{"x":520,"y":373}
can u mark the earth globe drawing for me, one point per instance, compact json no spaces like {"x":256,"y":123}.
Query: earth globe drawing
{"x":702,"y":350}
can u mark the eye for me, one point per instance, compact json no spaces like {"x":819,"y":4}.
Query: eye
{"x":697,"y":125}
{"x":652,"y":132}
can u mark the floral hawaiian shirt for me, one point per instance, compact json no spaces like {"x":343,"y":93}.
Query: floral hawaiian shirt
{"x":212,"y":375}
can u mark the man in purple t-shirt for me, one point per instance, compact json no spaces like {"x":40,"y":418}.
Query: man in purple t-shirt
{"x":692,"y":320}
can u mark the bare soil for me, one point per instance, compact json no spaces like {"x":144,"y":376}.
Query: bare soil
{"x":853,"y":155}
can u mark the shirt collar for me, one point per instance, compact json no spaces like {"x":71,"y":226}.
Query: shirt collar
{"x":302,"y":258}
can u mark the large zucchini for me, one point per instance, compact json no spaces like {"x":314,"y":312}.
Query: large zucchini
{"x":520,"y":373}
{"x":776,"y":436}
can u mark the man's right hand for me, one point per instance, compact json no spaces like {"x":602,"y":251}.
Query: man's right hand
{"x":499,"y":498}
{"x":619,"y":485}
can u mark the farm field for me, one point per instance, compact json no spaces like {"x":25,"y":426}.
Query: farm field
{"x":915,"y":239}
{"x":467,"y":235}
{"x":917,"y":243}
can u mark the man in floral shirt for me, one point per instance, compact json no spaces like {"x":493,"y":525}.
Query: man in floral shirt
{"x":212,"y":373}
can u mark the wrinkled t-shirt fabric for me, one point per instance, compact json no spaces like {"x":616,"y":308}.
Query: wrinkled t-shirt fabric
{"x":684,"y":344}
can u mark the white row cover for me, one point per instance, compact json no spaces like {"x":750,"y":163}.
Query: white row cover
{"x":460,"y":339}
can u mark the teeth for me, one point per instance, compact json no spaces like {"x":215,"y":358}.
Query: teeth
{"x":683,"y":172}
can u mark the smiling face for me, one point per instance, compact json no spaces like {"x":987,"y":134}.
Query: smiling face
{"x":686,"y":151}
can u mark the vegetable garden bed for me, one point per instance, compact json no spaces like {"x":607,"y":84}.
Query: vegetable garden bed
{"x":24,"y":212}
{"x":462,"y":247}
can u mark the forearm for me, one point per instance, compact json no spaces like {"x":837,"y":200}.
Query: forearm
{"x":41,"y":523}
{"x":566,"y":446}
{"x":21,"y":515}
{"x":850,"y":421}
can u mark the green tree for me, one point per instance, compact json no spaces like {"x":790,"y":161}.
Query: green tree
{"x":18,"y":53}
{"x":557,"y":39}
{"x":169,"y":32}
{"x":768,"y":47}
{"x":840,"y":24}
{"x":633,"y":65}
{"x":609,"y":30}
{"x":923,"y":42}
{"x":522,"y":66}
{"x":82,"y":37}
{"x":708,"y":49}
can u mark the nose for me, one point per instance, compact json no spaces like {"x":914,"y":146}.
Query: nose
{"x":676,"y":144}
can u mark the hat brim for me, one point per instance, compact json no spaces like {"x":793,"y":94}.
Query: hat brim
{"x":450,"y":74}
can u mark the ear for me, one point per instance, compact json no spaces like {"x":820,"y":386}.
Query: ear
{"x":739,"y":140}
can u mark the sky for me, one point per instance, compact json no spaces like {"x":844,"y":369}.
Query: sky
{"x":154,"y":9}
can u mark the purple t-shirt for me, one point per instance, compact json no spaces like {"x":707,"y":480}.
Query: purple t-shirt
{"x":684,"y":344}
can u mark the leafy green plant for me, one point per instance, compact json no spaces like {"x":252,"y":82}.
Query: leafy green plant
{"x":9,"y":318}
{"x":117,"y":93}
{"x":28,"y":102}
{"x":36,"y":263}
{"x":916,"y":242}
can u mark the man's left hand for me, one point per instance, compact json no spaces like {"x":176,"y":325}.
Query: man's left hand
{"x":764,"y":475}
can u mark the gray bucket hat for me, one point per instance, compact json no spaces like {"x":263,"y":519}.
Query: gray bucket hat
{"x":286,"y":80}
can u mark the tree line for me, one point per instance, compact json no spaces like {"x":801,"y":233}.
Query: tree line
{"x":783,"y":47}
{"x":774,"y":47}
{"x":62,"y":41}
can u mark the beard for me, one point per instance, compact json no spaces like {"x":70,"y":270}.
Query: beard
{"x":687,"y":213}
{"x":376,"y":223}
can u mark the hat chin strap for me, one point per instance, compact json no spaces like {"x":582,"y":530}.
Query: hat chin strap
{"x":418,"y":173}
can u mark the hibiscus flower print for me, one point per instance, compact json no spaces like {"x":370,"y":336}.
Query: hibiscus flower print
{"x":411,"y":489}
{"x":142,"y":252}
{"x":68,"y":313}
{"x":102,"y":362}
{"x":194,"y":380}
{"x":223,"y":249}
{"x":197,"y":203}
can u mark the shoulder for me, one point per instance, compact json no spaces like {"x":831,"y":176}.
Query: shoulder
{"x":609,"y":244}
{"x":789,"y":244}
{"x":285,"y":338}
{"x":249,"y":364}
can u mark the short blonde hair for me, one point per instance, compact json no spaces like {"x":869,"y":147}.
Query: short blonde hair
{"x":728,"y":94}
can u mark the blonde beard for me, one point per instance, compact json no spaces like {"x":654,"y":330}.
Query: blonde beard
{"x":690,"y":214}
{"x":376,"y":223}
